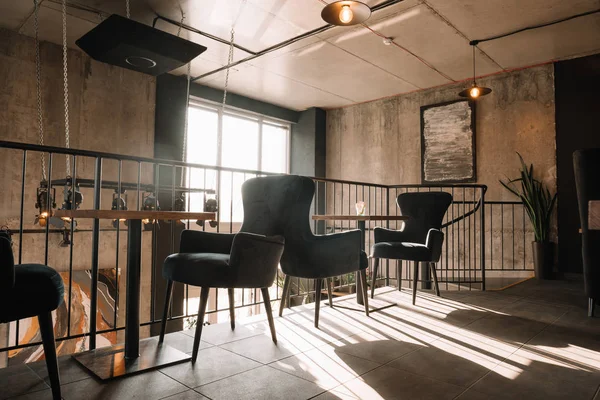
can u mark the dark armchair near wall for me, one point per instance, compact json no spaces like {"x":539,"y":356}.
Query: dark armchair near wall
{"x":586,"y":165}
{"x":31,"y":290}
{"x":421,"y":238}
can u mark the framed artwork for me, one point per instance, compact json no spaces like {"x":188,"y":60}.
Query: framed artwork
{"x":448,"y":142}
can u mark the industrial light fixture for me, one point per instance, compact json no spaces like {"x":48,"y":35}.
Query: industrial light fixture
{"x":475,"y":92}
{"x":119,"y":202}
{"x":72,"y":197}
{"x":150,"y":203}
{"x":346,"y":13}
{"x":44,"y":202}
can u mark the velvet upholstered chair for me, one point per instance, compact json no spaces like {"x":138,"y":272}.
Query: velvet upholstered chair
{"x":317,"y":257}
{"x":247,"y":259}
{"x":31,"y":290}
{"x":586,"y":164}
{"x":421,"y":238}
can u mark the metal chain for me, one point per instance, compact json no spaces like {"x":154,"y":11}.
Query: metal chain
{"x":127,"y":9}
{"x":66,"y":83}
{"x":38,"y":81}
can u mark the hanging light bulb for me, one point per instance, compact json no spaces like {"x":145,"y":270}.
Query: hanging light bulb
{"x":345,"y":13}
{"x":119,"y":202}
{"x":44,"y":203}
{"x":475,"y":92}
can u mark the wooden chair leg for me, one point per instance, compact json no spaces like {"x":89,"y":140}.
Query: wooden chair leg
{"x":415,"y":277}
{"x":363,"y":278}
{"x":284,"y":294}
{"x":267,"y":300}
{"x":329,"y":282}
{"x":591,"y":304}
{"x":231,"y":308}
{"x":47,"y":331}
{"x":435,"y":280}
{"x":318,"y":284}
{"x":163,"y":324}
{"x":399,"y":274}
{"x":201,"y":311}
{"x":375,"y":268}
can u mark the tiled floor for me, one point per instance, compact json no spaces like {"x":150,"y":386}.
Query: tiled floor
{"x":532,"y":341}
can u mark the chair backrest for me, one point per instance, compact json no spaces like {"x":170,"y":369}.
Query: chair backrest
{"x":586,"y":165}
{"x":426,"y":211}
{"x":7,"y":262}
{"x":280,"y":205}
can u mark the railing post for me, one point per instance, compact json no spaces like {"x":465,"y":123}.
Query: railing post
{"x":482,"y":238}
{"x":95,"y":253}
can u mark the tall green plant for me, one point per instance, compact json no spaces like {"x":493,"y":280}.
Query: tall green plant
{"x":536,"y":199}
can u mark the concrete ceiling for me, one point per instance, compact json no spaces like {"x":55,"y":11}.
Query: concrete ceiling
{"x":342,"y":65}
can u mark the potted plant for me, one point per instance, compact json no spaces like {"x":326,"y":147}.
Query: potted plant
{"x":539,"y":205}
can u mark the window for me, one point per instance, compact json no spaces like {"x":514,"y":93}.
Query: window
{"x":247,"y":142}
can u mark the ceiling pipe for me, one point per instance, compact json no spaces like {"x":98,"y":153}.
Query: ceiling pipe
{"x":288,"y":42}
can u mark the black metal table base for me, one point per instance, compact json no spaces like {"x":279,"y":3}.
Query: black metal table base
{"x":110,"y":362}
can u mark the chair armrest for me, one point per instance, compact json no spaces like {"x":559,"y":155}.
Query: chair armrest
{"x":256,"y":258}
{"x":390,"y":235}
{"x":7,"y":264}
{"x":205,"y":242}
{"x":435,"y":240}
{"x":334,"y":254}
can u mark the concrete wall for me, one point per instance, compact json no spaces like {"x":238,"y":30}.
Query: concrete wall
{"x":380,"y":141}
{"x":111,"y":109}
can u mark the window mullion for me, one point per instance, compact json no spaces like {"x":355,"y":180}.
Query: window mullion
{"x":260,"y":139}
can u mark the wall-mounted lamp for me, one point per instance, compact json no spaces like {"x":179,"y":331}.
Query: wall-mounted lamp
{"x":346,"y":13}
{"x":475,"y":92}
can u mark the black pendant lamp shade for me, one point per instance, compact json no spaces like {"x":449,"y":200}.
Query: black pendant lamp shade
{"x":129,"y":44}
{"x":475,"y":91}
{"x":346,"y":13}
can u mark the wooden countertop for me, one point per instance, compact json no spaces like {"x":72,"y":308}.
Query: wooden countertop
{"x":359,"y":217}
{"x":127,"y":214}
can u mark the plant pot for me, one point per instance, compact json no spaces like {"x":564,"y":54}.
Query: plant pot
{"x":543,"y":259}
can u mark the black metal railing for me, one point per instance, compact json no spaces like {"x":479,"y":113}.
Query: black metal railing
{"x":90,"y":255}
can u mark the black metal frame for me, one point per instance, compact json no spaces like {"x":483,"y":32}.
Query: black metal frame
{"x":332,"y":196}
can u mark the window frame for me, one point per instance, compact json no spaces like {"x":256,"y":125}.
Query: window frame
{"x":261,"y":119}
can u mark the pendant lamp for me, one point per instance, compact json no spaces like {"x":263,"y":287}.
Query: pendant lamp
{"x":475,"y":92}
{"x":346,"y":13}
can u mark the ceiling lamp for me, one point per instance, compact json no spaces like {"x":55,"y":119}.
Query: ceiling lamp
{"x":474,"y":92}
{"x":346,"y":13}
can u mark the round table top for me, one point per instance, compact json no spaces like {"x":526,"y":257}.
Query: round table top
{"x":132,"y":214}
{"x":331,"y":217}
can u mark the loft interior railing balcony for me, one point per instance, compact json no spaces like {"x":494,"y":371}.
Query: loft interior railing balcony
{"x":481,"y":237}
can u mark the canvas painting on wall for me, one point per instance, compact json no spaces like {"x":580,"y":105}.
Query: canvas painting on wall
{"x":448,"y":142}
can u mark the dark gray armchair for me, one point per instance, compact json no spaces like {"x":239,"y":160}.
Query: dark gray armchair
{"x":30,"y":290}
{"x":247,"y":259}
{"x":421,"y":238}
{"x":586,"y":164}
{"x":310,"y":256}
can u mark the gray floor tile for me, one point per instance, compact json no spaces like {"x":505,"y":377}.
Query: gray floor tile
{"x":218,"y":334}
{"x":577,"y":320}
{"x":531,"y":375}
{"x":547,"y":313}
{"x":335,"y":395}
{"x":151,"y":385}
{"x":183,"y":342}
{"x":391,"y":383}
{"x":212,"y":364}
{"x":325,"y":367}
{"x":188,"y":395}
{"x":375,"y":349}
{"x":69,"y":370}
{"x":262,"y":349}
{"x":18,"y":380}
{"x":475,"y":395}
{"x":45,"y":394}
{"x":261,"y":383}
{"x":507,"y":328}
{"x":448,"y":361}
